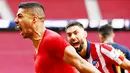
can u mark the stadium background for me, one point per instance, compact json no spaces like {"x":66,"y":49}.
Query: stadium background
{"x":17,"y":54}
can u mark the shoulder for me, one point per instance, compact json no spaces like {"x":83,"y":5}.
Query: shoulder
{"x":105,"y":48}
{"x":51,"y":35}
{"x":101,"y":46}
{"x":120,"y":47}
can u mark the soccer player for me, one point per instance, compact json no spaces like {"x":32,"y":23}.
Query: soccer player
{"x":101,"y":55}
{"x":106,"y":35}
{"x":53,"y":53}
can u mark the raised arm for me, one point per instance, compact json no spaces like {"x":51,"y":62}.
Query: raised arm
{"x":71,"y":57}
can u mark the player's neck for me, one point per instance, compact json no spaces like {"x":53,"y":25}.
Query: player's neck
{"x":37,"y":39}
{"x":84,"y":50}
{"x":108,"y":40}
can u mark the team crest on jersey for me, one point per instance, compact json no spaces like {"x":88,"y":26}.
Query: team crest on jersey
{"x":95,"y":63}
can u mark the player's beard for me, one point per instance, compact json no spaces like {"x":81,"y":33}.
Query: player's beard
{"x":80,"y":48}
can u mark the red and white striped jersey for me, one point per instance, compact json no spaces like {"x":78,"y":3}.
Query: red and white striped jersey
{"x":103,"y":56}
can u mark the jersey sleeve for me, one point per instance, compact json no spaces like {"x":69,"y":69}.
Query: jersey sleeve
{"x":128,"y":55}
{"x":111,"y":55}
{"x":56,"y":46}
{"x":126,"y":51}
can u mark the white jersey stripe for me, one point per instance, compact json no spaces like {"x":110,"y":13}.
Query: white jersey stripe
{"x":113,"y":54}
{"x":101,"y":59}
{"x":110,"y":54}
{"x":90,"y":59}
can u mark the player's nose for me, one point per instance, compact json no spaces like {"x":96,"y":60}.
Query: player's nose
{"x":16,"y":21}
{"x":73,"y":36}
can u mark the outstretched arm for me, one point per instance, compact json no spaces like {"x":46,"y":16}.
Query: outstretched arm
{"x":71,"y":57}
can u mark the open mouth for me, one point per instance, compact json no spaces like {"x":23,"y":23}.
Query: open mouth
{"x":75,"y":43}
{"x":18,"y":28}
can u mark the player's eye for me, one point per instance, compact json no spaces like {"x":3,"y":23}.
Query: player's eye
{"x":76,"y":32}
{"x":68,"y":34}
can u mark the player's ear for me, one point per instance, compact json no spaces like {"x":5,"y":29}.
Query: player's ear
{"x":101,"y":38}
{"x":113,"y":35}
{"x":35,"y":19}
{"x":85,"y":33}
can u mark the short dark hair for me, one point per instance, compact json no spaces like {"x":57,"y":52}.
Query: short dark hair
{"x":37,"y":8}
{"x":74,"y":23}
{"x":30,"y":4}
{"x":105,"y":30}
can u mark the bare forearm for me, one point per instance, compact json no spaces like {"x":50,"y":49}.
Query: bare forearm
{"x":71,"y":57}
{"x":87,"y":67}
{"x":126,"y":64}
